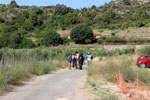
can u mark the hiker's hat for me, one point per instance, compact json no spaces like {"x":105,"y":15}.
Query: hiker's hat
{"x":89,"y":52}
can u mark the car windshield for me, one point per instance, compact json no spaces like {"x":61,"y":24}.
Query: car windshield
{"x":147,"y":57}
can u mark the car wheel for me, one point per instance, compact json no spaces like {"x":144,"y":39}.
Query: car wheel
{"x":143,"y":65}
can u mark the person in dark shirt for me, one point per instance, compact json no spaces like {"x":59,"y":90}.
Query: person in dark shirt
{"x":81,"y":60}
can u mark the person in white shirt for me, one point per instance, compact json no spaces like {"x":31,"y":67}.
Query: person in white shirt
{"x":78,"y":55}
{"x":89,"y":58}
{"x":74,"y":61}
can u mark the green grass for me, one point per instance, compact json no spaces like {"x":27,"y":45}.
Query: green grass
{"x":104,"y":72}
{"x":124,"y":64}
{"x":14,"y":74}
{"x":21,"y":64}
{"x":144,"y":51}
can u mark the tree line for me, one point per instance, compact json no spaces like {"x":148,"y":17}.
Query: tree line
{"x":18,"y":22}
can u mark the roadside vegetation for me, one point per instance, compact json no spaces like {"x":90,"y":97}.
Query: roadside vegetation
{"x":105,"y":72}
{"x":144,"y":51}
{"x":125,"y":64}
{"x":18,"y":65}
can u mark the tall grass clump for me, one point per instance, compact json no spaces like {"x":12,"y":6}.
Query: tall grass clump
{"x":144,"y":51}
{"x":144,"y":75}
{"x":125,"y":65}
{"x":110,"y":69}
{"x":20,"y":64}
{"x":15,"y":74}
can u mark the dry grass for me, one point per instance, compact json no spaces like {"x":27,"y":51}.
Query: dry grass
{"x":15,"y":74}
{"x":101,"y":74}
{"x":126,"y":64}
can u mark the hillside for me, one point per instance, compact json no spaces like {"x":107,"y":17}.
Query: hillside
{"x":115,"y":14}
{"x":32,"y":21}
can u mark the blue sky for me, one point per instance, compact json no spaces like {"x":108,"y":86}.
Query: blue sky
{"x":70,"y":3}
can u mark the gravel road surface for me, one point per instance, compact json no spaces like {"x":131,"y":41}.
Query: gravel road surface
{"x":58,"y":85}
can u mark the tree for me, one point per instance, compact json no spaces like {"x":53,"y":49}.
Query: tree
{"x":4,"y":39}
{"x":13,"y":4}
{"x":82,"y":34}
{"x":51,"y":38}
{"x":61,"y":9}
{"x":15,"y":40}
{"x":27,"y":44}
{"x":127,"y":2}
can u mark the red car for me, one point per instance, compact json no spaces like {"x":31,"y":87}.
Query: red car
{"x":143,"y":61}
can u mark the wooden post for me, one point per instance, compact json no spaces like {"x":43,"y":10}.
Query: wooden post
{"x":1,"y":60}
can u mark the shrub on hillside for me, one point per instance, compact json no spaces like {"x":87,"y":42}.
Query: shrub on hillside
{"x":100,"y":41}
{"x":52,"y":38}
{"x":15,"y":40}
{"x":61,"y":9}
{"x":13,"y":4}
{"x":27,"y":44}
{"x":4,"y":40}
{"x":82,"y":34}
{"x":66,"y":40}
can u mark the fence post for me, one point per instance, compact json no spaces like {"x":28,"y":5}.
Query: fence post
{"x":1,"y":60}
{"x":14,"y":59}
{"x":28,"y":58}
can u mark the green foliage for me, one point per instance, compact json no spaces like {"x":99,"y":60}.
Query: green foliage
{"x":127,"y":2}
{"x":2,"y":20}
{"x":66,"y":40}
{"x":102,"y":52}
{"x":63,"y":27}
{"x":23,"y":63}
{"x":15,"y":40}
{"x":13,"y":4}
{"x":113,"y":34}
{"x":111,"y":69}
{"x":9,"y":28}
{"x":111,"y":40}
{"x":41,"y":67}
{"x":82,"y":34}
{"x":120,"y":40}
{"x":61,"y":9}
{"x":144,"y":51}
{"x":52,"y":38}
{"x":27,"y":44}
{"x":125,"y":65}
{"x":140,"y":24}
{"x":4,"y":40}
{"x":29,"y":20}
{"x":100,"y":41}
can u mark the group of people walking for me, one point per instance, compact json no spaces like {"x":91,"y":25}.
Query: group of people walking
{"x":76,"y":60}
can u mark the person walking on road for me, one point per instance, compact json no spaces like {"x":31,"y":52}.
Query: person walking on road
{"x":69,"y":60}
{"x":81,"y":60}
{"x":77,"y":55}
{"x":89,"y":58}
{"x":74,"y":61}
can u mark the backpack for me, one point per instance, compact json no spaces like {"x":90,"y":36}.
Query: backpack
{"x":73,"y":57}
{"x":82,"y":57}
{"x":69,"y":58}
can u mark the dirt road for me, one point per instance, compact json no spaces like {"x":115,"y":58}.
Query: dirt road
{"x":59,"y":85}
